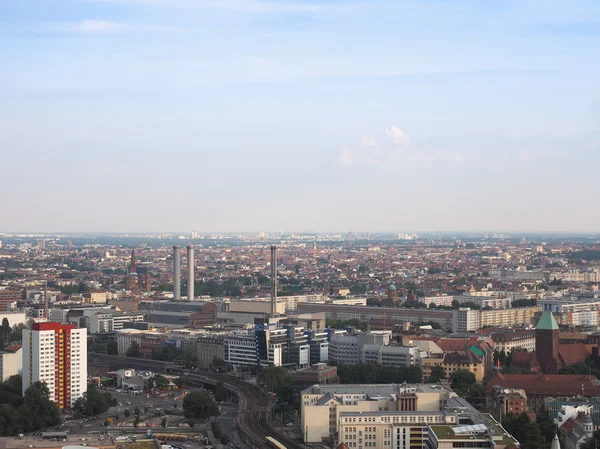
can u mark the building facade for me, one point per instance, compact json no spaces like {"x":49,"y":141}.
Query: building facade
{"x":56,"y":354}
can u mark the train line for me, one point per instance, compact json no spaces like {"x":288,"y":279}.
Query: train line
{"x":254,"y":411}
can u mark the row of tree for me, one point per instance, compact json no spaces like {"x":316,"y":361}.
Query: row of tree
{"x":170,"y":353}
{"x":28,"y":413}
{"x":532,"y":435}
{"x":374,"y":373}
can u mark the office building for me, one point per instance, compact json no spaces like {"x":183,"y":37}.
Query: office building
{"x":56,"y":354}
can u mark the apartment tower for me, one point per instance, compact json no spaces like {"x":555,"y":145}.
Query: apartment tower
{"x":56,"y":354}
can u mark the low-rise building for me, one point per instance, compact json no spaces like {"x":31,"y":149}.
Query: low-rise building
{"x":540,"y":387}
{"x":508,"y":339}
{"x":11,"y":361}
{"x":506,"y":401}
{"x":317,"y":374}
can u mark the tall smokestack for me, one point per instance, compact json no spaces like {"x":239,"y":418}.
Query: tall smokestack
{"x":190,"y":277}
{"x":46,"y":300}
{"x":273,"y":279}
{"x":177,"y":272}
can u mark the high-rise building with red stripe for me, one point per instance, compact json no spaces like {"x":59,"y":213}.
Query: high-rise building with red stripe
{"x":56,"y":354}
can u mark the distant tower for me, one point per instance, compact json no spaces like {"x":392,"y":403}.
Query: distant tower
{"x":177,"y":272}
{"x":273,"y":279}
{"x":190,"y":276}
{"x":145,"y":281}
{"x":546,"y":343}
{"x":131,"y":280}
{"x":392,"y":294}
{"x":132,"y":268}
{"x":46,"y":299}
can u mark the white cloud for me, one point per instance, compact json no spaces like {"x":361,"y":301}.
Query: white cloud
{"x":368,"y":142}
{"x":399,"y":151}
{"x":265,"y":7}
{"x":243,"y":6}
{"x":345,"y":158}
{"x":398,"y":136}
{"x":90,"y":27}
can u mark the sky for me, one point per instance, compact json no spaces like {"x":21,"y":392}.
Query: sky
{"x":299,"y":115}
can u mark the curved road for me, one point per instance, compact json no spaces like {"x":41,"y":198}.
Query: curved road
{"x":254,"y":410}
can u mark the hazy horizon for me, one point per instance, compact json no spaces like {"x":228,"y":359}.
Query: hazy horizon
{"x":394,"y":116}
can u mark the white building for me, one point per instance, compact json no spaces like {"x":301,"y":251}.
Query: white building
{"x":465,"y":319}
{"x":566,"y":305}
{"x":126,"y":337}
{"x":100,"y":322}
{"x":56,"y":354}
{"x":11,"y":361}
{"x":321,"y":405}
{"x":14,"y":318}
{"x":437,"y":300}
{"x":119,"y":318}
{"x":240,"y":350}
{"x":583,"y":318}
{"x":348,"y":348}
{"x":407,"y":416}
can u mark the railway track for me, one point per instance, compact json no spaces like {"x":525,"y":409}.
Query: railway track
{"x":254,"y":411}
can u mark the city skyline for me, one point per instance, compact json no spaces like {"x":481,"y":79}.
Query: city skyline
{"x":317,"y":116}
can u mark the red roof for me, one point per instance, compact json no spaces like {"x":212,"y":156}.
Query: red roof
{"x":13,"y":348}
{"x":573,"y":353}
{"x":547,"y":384}
{"x":52,"y":326}
{"x":525,"y":360}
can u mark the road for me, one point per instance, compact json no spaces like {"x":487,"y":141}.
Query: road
{"x":254,"y":410}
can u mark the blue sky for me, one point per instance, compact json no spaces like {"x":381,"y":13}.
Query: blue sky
{"x":301,"y":115}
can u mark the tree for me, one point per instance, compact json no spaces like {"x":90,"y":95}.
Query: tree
{"x":199,"y":404}
{"x":112,"y":348}
{"x":278,"y":380}
{"x":216,"y":429}
{"x":136,"y":411}
{"x":224,"y":439}
{"x":4,"y":333}
{"x":437,"y":373}
{"x":163,"y":423}
{"x":134,"y":350}
{"x":219,"y":365}
{"x":38,"y":410}
{"x":220,"y":392}
{"x":93,"y":402}
{"x":127,"y":413}
{"x":462,"y":378}
{"x":160,"y":381}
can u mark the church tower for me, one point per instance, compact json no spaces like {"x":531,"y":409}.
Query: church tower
{"x":132,"y":268}
{"x":546,"y":343}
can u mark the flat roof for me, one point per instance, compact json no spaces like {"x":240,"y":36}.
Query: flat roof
{"x":374,"y":390}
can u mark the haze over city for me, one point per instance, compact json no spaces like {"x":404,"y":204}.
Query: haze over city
{"x":249,"y":115}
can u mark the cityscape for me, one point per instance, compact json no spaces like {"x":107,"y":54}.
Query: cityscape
{"x":302,"y":340}
{"x":299,"y":224}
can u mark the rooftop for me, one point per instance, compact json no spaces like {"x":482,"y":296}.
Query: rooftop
{"x":375,"y":389}
{"x":547,"y":322}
